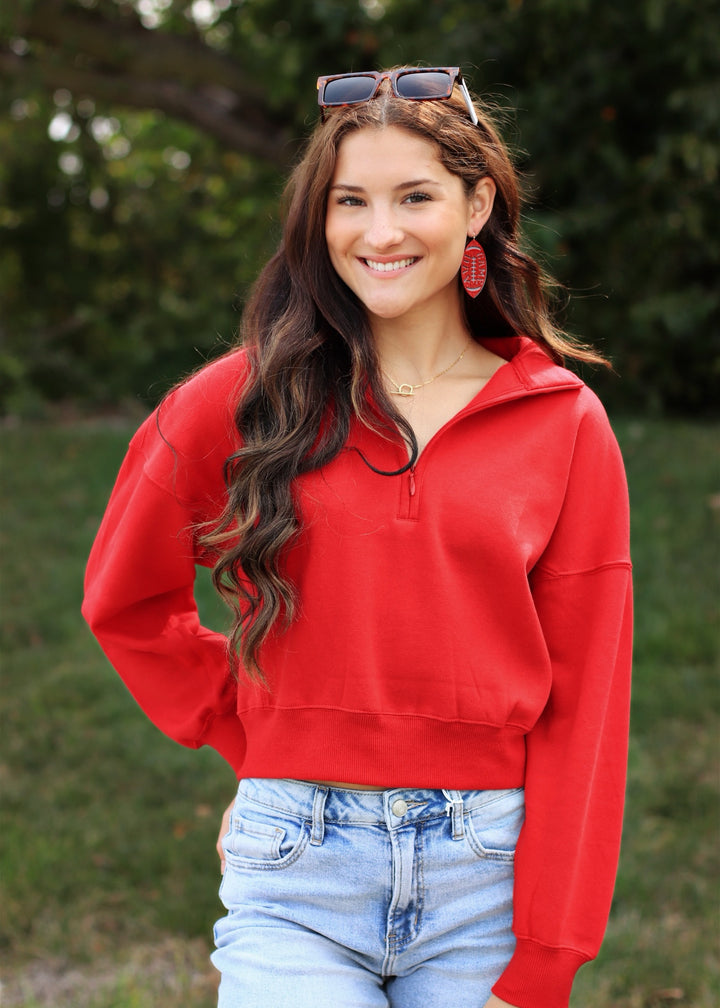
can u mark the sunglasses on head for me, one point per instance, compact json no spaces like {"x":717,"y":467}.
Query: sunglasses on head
{"x":413,"y":83}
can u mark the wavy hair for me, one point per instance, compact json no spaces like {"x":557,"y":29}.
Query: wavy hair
{"x":311,"y":355}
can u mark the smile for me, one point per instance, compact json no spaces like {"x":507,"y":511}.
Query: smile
{"x":389,"y":267}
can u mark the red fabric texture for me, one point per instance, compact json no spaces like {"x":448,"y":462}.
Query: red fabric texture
{"x":464,"y":625}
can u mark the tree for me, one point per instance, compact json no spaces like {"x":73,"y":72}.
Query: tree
{"x":149,"y":207}
{"x":106,"y":53}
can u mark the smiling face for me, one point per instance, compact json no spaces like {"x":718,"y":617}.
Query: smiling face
{"x":397,"y":221}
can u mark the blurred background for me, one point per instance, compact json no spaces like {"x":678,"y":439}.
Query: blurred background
{"x":143,"y":148}
{"x":144,"y":145}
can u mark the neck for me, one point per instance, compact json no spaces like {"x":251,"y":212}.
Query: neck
{"x":414,"y":349}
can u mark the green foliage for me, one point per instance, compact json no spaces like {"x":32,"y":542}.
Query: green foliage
{"x":127,"y":246}
{"x":618,"y":107}
{"x":77,"y":759}
{"x":127,"y":242}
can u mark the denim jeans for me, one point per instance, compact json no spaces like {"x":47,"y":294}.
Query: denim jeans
{"x":341,"y":898}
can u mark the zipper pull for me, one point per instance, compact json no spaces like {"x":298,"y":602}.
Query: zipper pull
{"x":412,"y":481}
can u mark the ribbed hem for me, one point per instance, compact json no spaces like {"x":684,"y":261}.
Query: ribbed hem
{"x":538,"y":976}
{"x":386,"y":750}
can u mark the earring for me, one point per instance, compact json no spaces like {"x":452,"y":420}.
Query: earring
{"x":473,"y":268}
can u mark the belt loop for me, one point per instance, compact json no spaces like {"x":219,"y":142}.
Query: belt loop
{"x":318,"y":816}
{"x":454,"y":808}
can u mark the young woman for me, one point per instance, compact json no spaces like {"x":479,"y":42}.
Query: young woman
{"x":419,"y":518}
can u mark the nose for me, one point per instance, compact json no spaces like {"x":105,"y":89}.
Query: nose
{"x":383,"y":231}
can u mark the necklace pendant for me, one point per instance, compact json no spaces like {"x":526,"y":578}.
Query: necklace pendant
{"x":405,"y":390}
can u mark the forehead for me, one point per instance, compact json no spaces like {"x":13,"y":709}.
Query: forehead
{"x":386,"y":152}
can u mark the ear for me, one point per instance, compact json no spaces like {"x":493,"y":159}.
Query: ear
{"x":481,"y":204}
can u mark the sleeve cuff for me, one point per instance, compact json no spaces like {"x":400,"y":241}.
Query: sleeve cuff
{"x":226,"y":734}
{"x":538,"y":976}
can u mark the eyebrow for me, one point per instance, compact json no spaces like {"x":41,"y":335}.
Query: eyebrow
{"x":413,"y":184}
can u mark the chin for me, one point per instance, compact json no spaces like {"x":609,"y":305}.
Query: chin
{"x":386,"y":314}
{"x":387,"y":309}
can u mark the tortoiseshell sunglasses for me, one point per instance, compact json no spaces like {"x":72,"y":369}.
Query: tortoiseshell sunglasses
{"x":413,"y":83}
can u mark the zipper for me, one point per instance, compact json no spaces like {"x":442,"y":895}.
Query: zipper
{"x":409,"y":500}
{"x":409,"y":495}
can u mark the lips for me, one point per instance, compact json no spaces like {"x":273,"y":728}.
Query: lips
{"x":390,"y":267}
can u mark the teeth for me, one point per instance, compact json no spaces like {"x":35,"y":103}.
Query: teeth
{"x":389,"y":267}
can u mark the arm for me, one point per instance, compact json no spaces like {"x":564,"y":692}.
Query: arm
{"x":576,"y":754}
{"x":139,"y":598}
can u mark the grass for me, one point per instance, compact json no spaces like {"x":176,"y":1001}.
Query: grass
{"x":109,"y":872}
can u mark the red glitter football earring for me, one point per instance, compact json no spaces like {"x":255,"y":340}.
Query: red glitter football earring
{"x":473,"y":269}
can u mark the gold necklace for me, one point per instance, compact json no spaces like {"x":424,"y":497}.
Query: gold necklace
{"x":409,"y":390}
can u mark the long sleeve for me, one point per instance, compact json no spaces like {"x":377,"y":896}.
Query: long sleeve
{"x":567,"y":856}
{"x":139,"y":598}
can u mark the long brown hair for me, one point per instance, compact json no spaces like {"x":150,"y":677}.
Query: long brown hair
{"x":312,"y":358}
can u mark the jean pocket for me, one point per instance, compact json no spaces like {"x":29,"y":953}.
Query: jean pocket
{"x":493,"y":827}
{"x":263,"y":838}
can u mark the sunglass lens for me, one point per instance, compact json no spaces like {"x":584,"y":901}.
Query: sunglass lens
{"x":435,"y":84}
{"x":348,"y":90}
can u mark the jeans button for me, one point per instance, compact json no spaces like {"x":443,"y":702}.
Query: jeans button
{"x":399,"y":807}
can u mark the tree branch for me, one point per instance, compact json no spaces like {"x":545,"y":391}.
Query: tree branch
{"x":123,"y":63}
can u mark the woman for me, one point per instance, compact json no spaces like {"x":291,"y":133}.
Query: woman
{"x":419,"y":518}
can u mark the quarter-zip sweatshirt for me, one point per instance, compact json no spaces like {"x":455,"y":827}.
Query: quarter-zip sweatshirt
{"x":463,"y":625}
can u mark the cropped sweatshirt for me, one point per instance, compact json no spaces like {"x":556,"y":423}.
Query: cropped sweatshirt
{"x":464,"y":625}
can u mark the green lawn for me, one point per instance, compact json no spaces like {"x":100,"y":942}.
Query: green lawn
{"x":109,"y":872}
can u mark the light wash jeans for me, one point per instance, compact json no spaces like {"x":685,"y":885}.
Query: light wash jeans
{"x":365,"y":899}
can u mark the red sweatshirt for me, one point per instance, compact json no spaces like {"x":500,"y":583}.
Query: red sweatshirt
{"x":464,"y":625}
